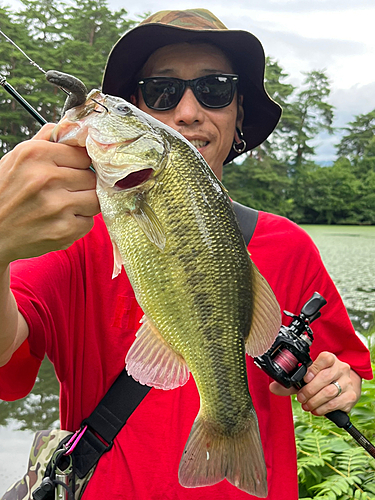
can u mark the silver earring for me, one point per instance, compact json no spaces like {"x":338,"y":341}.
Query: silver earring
{"x":240,"y":146}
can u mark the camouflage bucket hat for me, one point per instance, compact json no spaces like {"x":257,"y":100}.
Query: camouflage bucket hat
{"x":242,"y":48}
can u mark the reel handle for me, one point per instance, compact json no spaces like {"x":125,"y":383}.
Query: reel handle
{"x":311,"y":310}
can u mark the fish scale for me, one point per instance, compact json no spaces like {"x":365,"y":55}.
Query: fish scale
{"x":205,"y":304}
{"x":136,"y":250}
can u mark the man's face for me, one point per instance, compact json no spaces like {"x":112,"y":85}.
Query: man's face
{"x":211,"y":131}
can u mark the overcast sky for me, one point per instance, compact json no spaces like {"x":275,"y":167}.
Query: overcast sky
{"x":303,"y":35}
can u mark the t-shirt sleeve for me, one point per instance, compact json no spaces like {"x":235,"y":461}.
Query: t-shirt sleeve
{"x":18,"y":376}
{"x":291,"y":263}
{"x":41,"y":288}
{"x":333,"y":331}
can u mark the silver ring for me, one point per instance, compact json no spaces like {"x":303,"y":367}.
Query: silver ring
{"x":338,"y":388}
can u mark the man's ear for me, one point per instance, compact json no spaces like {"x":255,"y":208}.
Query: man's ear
{"x":133,"y":100}
{"x":240,"y":112}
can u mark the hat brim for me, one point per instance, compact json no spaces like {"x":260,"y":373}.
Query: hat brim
{"x":245,"y":52}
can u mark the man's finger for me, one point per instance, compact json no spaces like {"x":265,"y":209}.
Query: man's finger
{"x":280,"y":390}
{"x":323,"y":361}
{"x":45,"y":132}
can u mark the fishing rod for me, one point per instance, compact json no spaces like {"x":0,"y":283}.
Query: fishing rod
{"x":288,"y":358}
{"x":13,"y":92}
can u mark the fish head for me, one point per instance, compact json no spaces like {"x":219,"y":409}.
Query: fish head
{"x":128,"y":148}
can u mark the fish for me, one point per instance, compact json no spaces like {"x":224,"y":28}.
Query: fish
{"x":205,"y":303}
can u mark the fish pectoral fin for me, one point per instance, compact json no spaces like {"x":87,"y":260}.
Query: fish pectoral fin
{"x":152,"y":361}
{"x":211,"y":455}
{"x":117,"y":260}
{"x":150,"y":224}
{"x":266,"y":317}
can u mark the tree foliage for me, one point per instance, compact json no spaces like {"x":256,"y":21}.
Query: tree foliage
{"x":359,"y":139}
{"x":74,"y":37}
{"x":310,"y":114}
{"x":281,"y":176}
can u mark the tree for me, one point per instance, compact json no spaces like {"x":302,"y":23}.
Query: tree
{"x":259,"y":183}
{"x":16,"y":123}
{"x":360,"y":134}
{"x":281,"y":93}
{"x":268,"y":178}
{"x":328,"y":195}
{"x":309,"y":114}
{"x":75,"y":38}
{"x":90,"y":31}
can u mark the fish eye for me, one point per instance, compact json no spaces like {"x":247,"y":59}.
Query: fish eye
{"x":121,"y":109}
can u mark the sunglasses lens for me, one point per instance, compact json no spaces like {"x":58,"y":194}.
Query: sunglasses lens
{"x":215,"y":91}
{"x":160,"y":93}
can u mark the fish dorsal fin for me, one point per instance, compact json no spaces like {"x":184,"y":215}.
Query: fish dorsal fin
{"x":117,"y":260}
{"x":266,"y":317}
{"x":150,"y":224}
{"x":152,"y":361}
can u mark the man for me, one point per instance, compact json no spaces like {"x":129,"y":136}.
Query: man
{"x":65,"y":304}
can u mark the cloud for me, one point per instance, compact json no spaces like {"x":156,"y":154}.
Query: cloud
{"x":288,"y":6}
{"x":299,"y":6}
{"x":316,"y":50}
{"x":358,"y":100}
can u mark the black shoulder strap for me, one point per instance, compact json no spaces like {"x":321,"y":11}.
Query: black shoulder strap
{"x":247,"y":219}
{"x":106,"y":421}
{"x":111,"y":414}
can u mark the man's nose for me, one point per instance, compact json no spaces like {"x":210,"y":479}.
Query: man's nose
{"x":188,"y":110}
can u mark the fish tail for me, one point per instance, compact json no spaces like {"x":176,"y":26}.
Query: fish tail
{"x":210,"y":456}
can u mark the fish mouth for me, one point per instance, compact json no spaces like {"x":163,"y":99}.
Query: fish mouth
{"x":134,"y":179}
{"x":110,"y":144}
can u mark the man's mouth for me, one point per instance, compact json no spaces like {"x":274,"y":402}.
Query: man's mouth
{"x":198,"y":143}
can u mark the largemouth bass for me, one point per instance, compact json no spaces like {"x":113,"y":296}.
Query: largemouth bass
{"x":205,"y":304}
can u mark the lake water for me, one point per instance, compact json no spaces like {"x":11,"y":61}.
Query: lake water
{"x":348,"y":253}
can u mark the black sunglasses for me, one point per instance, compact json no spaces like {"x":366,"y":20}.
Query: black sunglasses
{"x":213,"y":91}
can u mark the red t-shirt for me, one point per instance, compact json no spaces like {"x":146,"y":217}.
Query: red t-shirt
{"x":86,"y":322}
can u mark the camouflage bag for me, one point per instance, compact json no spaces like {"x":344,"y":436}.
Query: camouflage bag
{"x":45,"y":451}
{"x":76,"y":454}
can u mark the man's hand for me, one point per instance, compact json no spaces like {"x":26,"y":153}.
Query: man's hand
{"x":48,"y":201}
{"x":320,"y":395}
{"x":48,"y":197}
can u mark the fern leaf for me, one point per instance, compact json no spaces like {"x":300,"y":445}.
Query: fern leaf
{"x":334,"y":483}
{"x":352,"y":460}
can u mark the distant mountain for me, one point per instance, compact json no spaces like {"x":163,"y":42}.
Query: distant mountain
{"x":325,"y":163}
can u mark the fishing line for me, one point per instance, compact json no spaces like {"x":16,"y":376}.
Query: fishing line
{"x":12,"y":91}
{"x":26,"y":105}
{"x":33,"y":63}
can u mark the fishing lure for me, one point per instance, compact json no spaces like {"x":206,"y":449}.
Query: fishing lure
{"x":75,"y":88}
